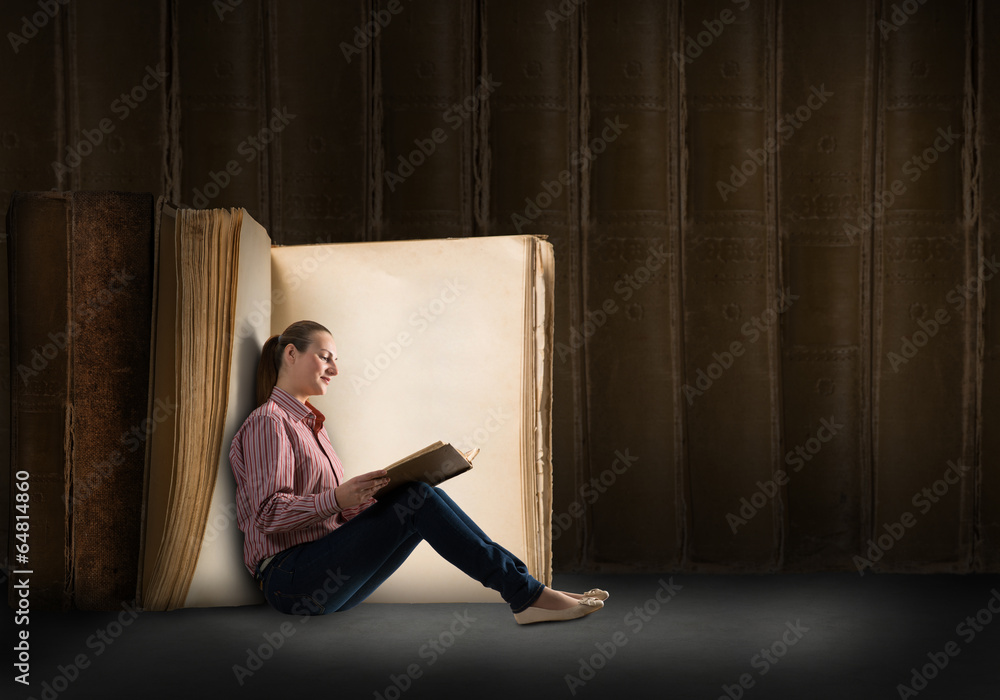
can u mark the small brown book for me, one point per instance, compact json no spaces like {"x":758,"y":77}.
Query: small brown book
{"x":432,"y":465}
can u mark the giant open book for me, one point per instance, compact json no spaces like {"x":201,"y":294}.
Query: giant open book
{"x":446,"y":340}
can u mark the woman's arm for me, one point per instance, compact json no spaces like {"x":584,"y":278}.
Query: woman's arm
{"x":268,"y":483}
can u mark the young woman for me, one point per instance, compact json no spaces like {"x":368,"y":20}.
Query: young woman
{"x":317,"y":543}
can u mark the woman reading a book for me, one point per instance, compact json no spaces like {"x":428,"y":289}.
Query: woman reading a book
{"x":317,"y":543}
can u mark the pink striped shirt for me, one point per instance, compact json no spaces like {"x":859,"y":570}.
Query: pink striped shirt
{"x":286,"y":471}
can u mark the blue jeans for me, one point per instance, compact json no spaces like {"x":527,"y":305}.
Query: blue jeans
{"x":341,"y":569}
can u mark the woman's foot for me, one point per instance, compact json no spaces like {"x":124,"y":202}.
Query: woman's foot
{"x":555,"y":600}
{"x":553,"y":606}
{"x":592,"y":593}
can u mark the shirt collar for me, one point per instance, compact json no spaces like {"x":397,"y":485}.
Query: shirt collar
{"x":298,"y":410}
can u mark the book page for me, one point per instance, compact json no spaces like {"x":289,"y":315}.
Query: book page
{"x":220,"y":577}
{"x":544,"y":328}
{"x":430,"y":337}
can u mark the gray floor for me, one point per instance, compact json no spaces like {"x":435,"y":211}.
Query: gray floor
{"x":791,"y":636}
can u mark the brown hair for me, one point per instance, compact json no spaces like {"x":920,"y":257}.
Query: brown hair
{"x":300,"y":334}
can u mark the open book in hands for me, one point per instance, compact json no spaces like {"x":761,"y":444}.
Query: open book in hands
{"x":432,"y":465}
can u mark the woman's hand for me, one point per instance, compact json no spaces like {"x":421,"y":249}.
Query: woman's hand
{"x":358,"y":490}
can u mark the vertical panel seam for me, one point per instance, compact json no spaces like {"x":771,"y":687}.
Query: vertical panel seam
{"x":580,"y":215}
{"x":973,"y":147}
{"x":780,"y":516}
{"x":377,"y":146}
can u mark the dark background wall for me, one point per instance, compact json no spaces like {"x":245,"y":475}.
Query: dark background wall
{"x":775,"y":327}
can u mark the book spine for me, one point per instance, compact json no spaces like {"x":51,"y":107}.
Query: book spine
{"x":320,"y":185}
{"x":922,"y":346}
{"x":116,"y":96}
{"x":111,"y":268}
{"x":732,"y":301}
{"x":41,"y":330}
{"x":532,"y":186}
{"x":32,"y":143}
{"x":224,"y":130}
{"x":428,"y":95}
{"x":825,"y":143}
{"x":631,"y":242}
{"x":986,"y":303}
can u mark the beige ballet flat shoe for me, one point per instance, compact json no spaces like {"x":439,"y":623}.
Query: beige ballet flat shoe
{"x":584,"y":606}
{"x":596,"y":593}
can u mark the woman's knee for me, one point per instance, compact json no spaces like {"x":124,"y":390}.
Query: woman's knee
{"x":412,"y":495}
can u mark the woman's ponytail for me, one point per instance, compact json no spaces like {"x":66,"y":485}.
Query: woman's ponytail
{"x":300,"y":334}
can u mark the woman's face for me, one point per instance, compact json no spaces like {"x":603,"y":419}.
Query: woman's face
{"x":310,"y":372}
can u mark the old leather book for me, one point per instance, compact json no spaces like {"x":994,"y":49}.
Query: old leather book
{"x":438,"y":339}
{"x":923,"y":341}
{"x":26,"y":166}
{"x":320,"y":69}
{"x":117,"y":80}
{"x":730,"y":290}
{"x":629,"y":326}
{"x":225,"y":120}
{"x":80,"y":297}
{"x":428,"y":97}
{"x":826,"y":175}
{"x":431,"y":465}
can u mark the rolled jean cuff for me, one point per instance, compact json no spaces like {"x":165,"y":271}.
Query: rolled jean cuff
{"x":533,"y":593}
